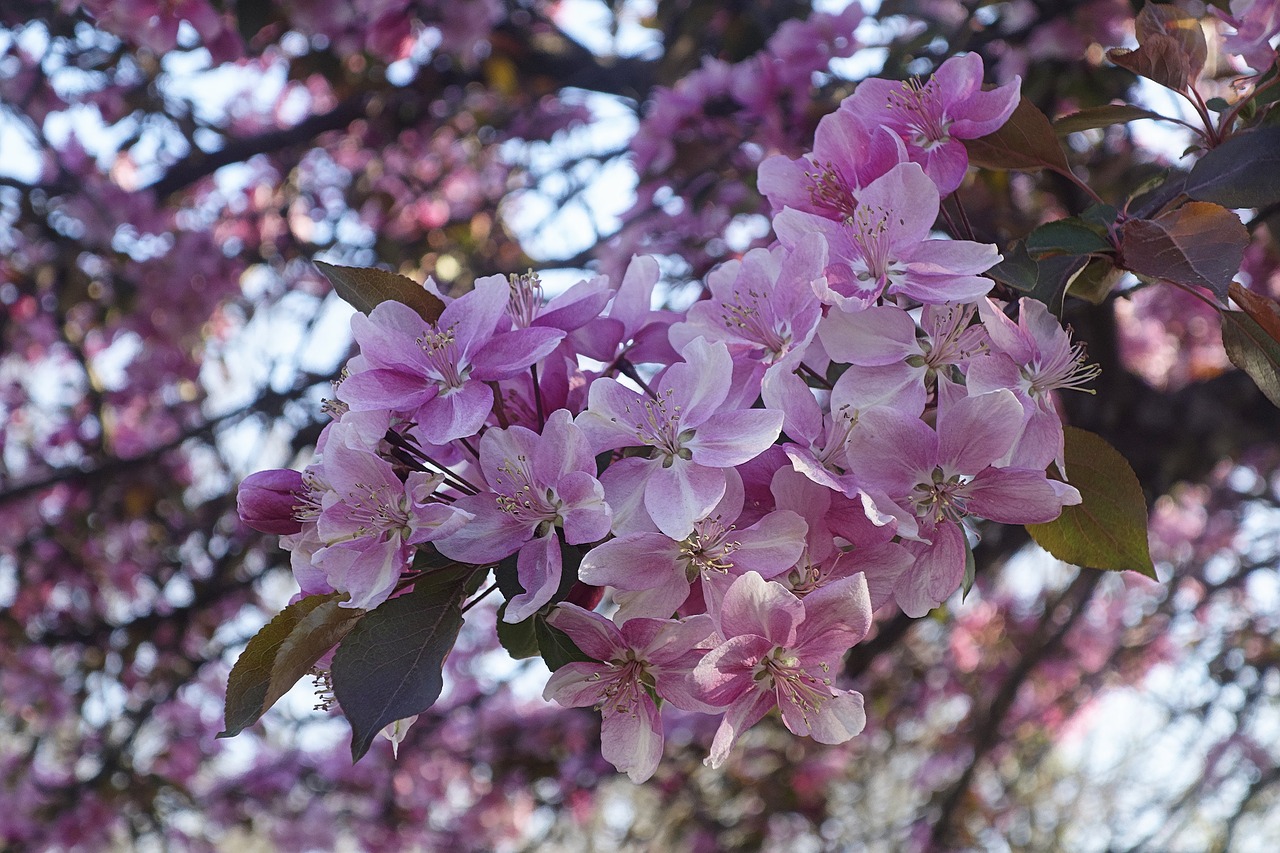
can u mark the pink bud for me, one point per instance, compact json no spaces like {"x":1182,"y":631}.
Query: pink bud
{"x":266,"y":501}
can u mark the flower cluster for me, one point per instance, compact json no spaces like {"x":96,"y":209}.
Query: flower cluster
{"x":747,"y":481}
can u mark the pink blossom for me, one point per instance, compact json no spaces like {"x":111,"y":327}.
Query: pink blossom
{"x":946,"y":476}
{"x":370,"y":519}
{"x":933,"y":117}
{"x":690,"y":438}
{"x":1256,"y":23}
{"x":266,"y":500}
{"x":883,"y":247}
{"x":763,"y":307}
{"x":848,"y":154}
{"x":437,"y":373}
{"x":779,"y":650}
{"x":655,"y":572}
{"x":537,"y":483}
{"x":1033,"y":359}
{"x":644,"y":654}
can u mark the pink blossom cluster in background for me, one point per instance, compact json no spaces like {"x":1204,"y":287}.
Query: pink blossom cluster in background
{"x":748,"y":480}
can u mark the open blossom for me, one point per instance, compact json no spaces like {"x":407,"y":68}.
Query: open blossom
{"x":886,"y":335}
{"x":932,"y":117}
{"x":536,"y":485}
{"x":946,"y":476}
{"x":763,"y":307}
{"x":437,"y":373}
{"x":883,"y":247}
{"x":780,"y":651}
{"x":654,"y":572}
{"x":847,"y":155}
{"x":1033,"y":358}
{"x":691,"y":441}
{"x":643,"y":654}
{"x":369,"y":520}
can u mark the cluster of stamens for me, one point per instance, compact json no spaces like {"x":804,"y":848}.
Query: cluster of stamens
{"x":1067,"y":369}
{"x":919,"y":105}
{"x":796,"y":686}
{"x":517,"y":497}
{"x":941,"y":498}
{"x":526,"y":298}
{"x":749,"y":322}
{"x":660,"y":427}
{"x":374,"y":513}
{"x":619,"y":693}
{"x":708,"y":548}
{"x":828,"y":189}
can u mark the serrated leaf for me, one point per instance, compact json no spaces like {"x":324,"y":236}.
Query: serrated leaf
{"x":365,"y":289}
{"x":1254,"y":351}
{"x":1199,"y":244}
{"x":1159,"y":58}
{"x":1070,"y":236}
{"x":391,"y":666}
{"x":1103,"y":116}
{"x":1166,"y":19}
{"x":282,"y":653}
{"x":1244,"y":171}
{"x":1026,"y":142}
{"x":556,"y":647}
{"x":1108,"y":530}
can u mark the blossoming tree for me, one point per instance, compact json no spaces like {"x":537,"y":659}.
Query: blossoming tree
{"x":692,"y":515}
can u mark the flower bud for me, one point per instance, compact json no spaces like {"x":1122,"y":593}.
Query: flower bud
{"x":266,"y":501}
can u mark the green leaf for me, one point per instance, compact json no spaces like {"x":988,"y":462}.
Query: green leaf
{"x":970,"y":570}
{"x":1095,"y":281}
{"x":556,"y":647}
{"x":1253,"y":350}
{"x":364,"y":289}
{"x":1244,"y":171}
{"x":519,"y":638}
{"x":1025,"y":143}
{"x":391,"y":666}
{"x":281,"y":653}
{"x":1108,"y":530}
{"x":1199,"y":244}
{"x":1045,"y":280}
{"x":1103,"y":116}
{"x":1070,"y":236}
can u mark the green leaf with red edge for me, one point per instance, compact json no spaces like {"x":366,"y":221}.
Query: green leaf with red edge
{"x":1198,"y":244}
{"x":283,"y":652}
{"x":1252,"y":339}
{"x":1108,"y":529}
{"x":1103,"y":116}
{"x":1160,"y":58}
{"x":365,"y":289}
{"x":1025,"y":143}
{"x":1167,"y":19}
{"x":391,"y":666}
{"x":1244,"y":171}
